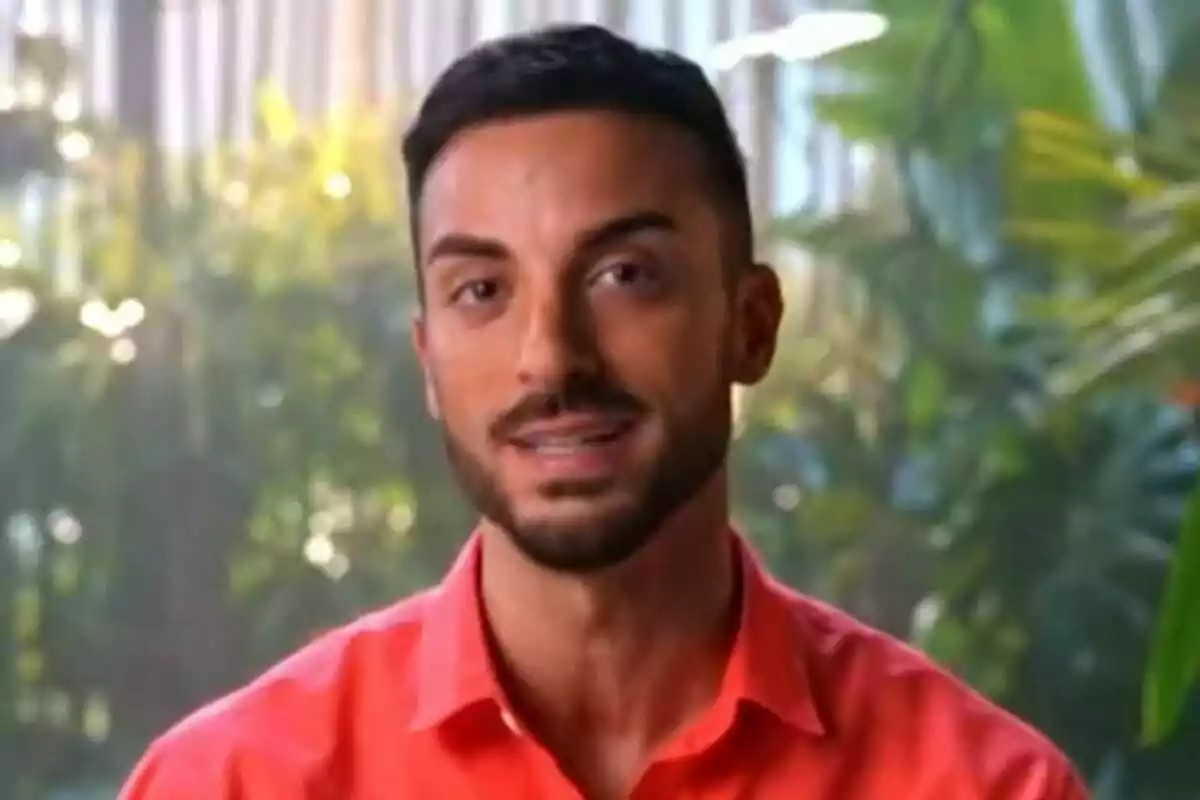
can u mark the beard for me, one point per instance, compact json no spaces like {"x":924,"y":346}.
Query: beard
{"x":613,"y":530}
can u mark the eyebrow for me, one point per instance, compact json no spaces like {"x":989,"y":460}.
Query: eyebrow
{"x":465,"y":245}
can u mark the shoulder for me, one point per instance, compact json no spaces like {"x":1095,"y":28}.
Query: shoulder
{"x":285,"y":724}
{"x":912,"y":715}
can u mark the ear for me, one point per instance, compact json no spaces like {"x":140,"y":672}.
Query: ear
{"x":419,"y":343}
{"x":758,"y":311}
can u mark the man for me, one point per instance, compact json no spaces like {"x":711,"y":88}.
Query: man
{"x":589,"y":299}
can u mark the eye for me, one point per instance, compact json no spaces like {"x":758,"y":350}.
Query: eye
{"x":628,"y":275}
{"x":476,"y":292}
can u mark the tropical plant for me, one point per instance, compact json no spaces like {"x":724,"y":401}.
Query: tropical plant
{"x":1130,"y":299}
{"x":1034,"y":529}
{"x":211,"y":448}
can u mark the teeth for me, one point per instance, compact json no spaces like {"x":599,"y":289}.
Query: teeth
{"x":560,"y":446}
{"x":566,"y":444}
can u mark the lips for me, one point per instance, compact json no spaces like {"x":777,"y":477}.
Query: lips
{"x":575,"y":447}
{"x":568,"y":434}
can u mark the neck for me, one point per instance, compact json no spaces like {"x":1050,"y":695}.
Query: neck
{"x":628,"y":655}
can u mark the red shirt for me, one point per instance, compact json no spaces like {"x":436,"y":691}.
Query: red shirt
{"x":404,"y":704}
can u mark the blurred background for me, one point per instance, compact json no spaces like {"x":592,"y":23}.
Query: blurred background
{"x":981,"y":434}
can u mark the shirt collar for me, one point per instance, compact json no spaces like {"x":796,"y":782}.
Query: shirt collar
{"x":768,"y":665}
{"x":454,"y":667}
{"x":766,"y":668}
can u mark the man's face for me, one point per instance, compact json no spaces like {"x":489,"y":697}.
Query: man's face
{"x":581,"y":332}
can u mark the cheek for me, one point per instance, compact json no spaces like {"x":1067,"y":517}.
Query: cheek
{"x":673,"y":362}
{"x":462,"y":390}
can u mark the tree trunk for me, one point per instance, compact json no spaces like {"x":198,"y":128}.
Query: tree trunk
{"x":180,"y":515}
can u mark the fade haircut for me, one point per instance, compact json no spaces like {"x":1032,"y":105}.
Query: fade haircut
{"x":578,"y":68}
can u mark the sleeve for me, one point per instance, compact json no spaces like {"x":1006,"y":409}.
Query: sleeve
{"x":1070,"y":784}
{"x":149,"y":781}
{"x":1044,"y":774}
{"x":178,"y":770}
{"x":1060,"y":781}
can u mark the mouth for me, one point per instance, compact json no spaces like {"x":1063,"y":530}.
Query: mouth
{"x":575,"y":447}
{"x":566,"y":435}
{"x":564,"y":438}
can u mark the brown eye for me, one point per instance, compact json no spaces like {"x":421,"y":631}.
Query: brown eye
{"x":628,"y":275}
{"x":476,"y":292}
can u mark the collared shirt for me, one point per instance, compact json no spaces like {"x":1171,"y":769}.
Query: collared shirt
{"x":405,"y":704}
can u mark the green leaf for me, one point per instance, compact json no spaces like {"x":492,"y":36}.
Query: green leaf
{"x":1175,"y":658}
{"x":927,"y":394}
{"x":1079,"y":238}
{"x":1114,"y":350}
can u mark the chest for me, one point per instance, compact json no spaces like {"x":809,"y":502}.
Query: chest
{"x":772,"y":768}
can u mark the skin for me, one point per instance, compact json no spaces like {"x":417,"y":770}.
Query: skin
{"x":581,"y":262}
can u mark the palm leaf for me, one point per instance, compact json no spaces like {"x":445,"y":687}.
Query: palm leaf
{"x":1175,"y":658}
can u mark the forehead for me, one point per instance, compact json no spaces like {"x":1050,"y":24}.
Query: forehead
{"x":562,"y":171}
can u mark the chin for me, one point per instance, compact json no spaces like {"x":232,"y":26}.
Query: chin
{"x":582,"y":535}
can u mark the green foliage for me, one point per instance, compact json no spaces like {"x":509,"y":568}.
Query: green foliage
{"x":1175,"y":664}
{"x":1023,"y":526}
{"x":1131,"y":293}
{"x":214,"y":449}
{"x":1130,"y":300}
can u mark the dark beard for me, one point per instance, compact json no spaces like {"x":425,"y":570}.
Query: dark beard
{"x":692,"y":454}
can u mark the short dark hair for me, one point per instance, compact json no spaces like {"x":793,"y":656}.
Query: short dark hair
{"x":576,"y":67}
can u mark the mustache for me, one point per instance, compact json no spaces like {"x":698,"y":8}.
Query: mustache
{"x":599,"y":397}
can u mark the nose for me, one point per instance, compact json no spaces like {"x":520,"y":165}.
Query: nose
{"x":557,"y":342}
